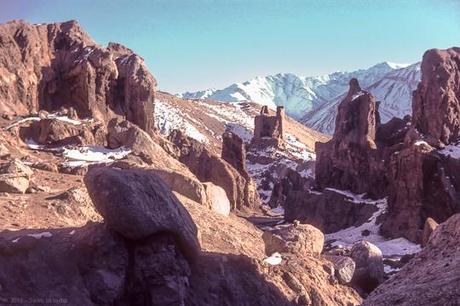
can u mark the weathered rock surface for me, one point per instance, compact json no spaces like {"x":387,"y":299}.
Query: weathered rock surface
{"x":49,"y":66}
{"x":234,"y":152}
{"x":431,"y":278}
{"x":350,"y":160}
{"x":369,"y":271}
{"x":436,"y":102}
{"x":423,"y":184}
{"x":330,"y":211}
{"x":269,"y":129}
{"x":137,"y":204}
{"x":299,"y":239}
{"x":14,"y":177}
{"x":208,"y":167}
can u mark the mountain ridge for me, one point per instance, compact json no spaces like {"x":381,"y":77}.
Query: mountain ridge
{"x":313,"y":100}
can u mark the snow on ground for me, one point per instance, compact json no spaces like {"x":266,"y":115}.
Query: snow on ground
{"x":16,"y":123}
{"x":277,"y":211}
{"x":168,"y":119}
{"x":350,"y":236}
{"x":234,"y":117}
{"x":85,"y":155}
{"x":451,"y":151}
{"x":355,"y":198}
{"x":421,"y":142}
{"x":357,"y":95}
{"x":389,"y":269}
{"x":36,"y":236}
{"x":49,"y":116}
{"x":40,"y":235}
{"x":31,"y":144}
{"x":297,"y":148}
{"x":93,"y":154}
{"x":266,"y":164}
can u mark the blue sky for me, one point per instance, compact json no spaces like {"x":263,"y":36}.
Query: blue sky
{"x":192,"y":45}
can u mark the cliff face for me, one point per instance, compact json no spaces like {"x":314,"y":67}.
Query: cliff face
{"x":350,"y":161}
{"x":46,"y":67}
{"x":436,"y":103}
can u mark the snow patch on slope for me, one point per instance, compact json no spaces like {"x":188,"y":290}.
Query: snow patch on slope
{"x":168,"y":119}
{"x":350,"y":236}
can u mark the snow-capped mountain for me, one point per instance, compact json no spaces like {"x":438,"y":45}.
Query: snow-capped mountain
{"x":393,"y":90}
{"x":313,"y":100}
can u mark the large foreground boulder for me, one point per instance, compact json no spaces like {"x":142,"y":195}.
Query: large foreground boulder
{"x":137,"y":204}
{"x":91,"y":265}
{"x":431,"y":278}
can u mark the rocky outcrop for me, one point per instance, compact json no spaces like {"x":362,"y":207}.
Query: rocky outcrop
{"x":14,"y":177}
{"x":137,"y":204}
{"x":208,"y":167}
{"x":234,"y":152}
{"x":423,"y":184}
{"x":350,"y":160}
{"x":423,"y":179}
{"x":436,"y":102}
{"x":268,"y":128}
{"x":50,"y":66}
{"x":330,"y":211}
{"x":431,"y":278}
